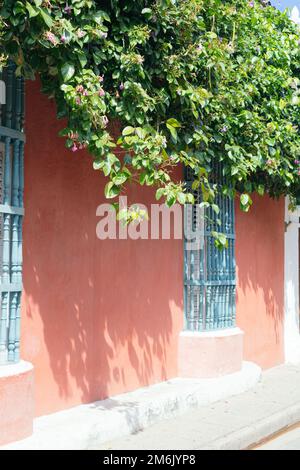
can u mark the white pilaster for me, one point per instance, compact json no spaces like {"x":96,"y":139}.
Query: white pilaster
{"x":291,"y":286}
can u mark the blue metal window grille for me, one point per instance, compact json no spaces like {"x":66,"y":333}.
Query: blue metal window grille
{"x":12,"y":141}
{"x":209,"y":274}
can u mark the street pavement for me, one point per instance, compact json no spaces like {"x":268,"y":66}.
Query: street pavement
{"x":239,"y":422}
{"x":289,"y":440}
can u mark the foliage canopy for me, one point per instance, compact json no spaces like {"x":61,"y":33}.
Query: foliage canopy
{"x":191,"y":81}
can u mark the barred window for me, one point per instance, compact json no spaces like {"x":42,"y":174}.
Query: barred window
{"x":209,"y":277}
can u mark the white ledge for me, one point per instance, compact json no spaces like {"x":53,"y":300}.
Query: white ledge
{"x":213,"y":333}
{"x":9,"y":369}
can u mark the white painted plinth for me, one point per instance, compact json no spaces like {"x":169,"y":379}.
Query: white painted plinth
{"x":209,"y":354}
{"x":89,"y":426}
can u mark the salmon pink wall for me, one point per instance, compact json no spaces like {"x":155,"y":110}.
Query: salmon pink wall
{"x":260,"y":274}
{"x":98,"y":317}
{"x":103,"y":317}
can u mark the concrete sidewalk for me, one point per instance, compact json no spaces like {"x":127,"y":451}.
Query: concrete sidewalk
{"x":235,"y":423}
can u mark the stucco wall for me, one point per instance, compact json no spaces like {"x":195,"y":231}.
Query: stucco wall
{"x":103,"y":317}
{"x":260,"y":274}
{"x":98,"y":317}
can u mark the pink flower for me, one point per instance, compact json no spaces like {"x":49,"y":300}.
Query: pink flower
{"x":74,"y":148}
{"x":100,"y":78}
{"x":269,"y":162}
{"x":78,"y":100}
{"x":68,"y":9}
{"x":79,"y":88}
{"x":101,"y":92}
{"x":73,"y":135}
{"x":80,"y":33}
{"x":50,"y":36}
{"x":63,"y":38}
{"x":82,"y":145}
{"x":105,"y":121}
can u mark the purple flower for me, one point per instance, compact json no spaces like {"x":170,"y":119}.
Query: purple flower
{"x":121,"y":87}
{"x":85,"y":93}
{"x":63,"y":38}
{"x":103,"y":35}
{"x":224,"y":129}
{"x":251,"y":4}
{"x":68,"y":10}
{"x":297,"y":162}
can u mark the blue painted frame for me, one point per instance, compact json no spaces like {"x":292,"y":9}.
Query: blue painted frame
{"x":12,"y":139}
{"x":209,"y":273}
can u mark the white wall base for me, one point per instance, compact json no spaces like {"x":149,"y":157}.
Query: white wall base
{"x":89,"y":426}
{"x":210,"y":354}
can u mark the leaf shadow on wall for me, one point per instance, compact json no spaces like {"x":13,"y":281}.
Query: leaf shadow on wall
{"x":260,"y":279}
{"x":99,"y":317}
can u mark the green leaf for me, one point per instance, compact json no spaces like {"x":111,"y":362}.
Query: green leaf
{"x":128,"y":130}
{"x":173,"y":132}
{"x":173,"y":122}
{"x":98,"y":165}
{"x":67,"y":71}
{"x":147,"y":12}
{"x":171,"y":199}
{"x":244,"y":199}
{"x":195,"y":184}
{"x":190,"y":198}
{"x":221,"y":241}
{"x":181,"y":198}
{"x":159,"y":193}
{"x":261,"y":190}
{"x":31,"y":10}
{"x":245,"y":202}
{"x":215,"y":208}
{"x":120,"y":179}
{"x":46,"y":17}
{"x":82,"y":59}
